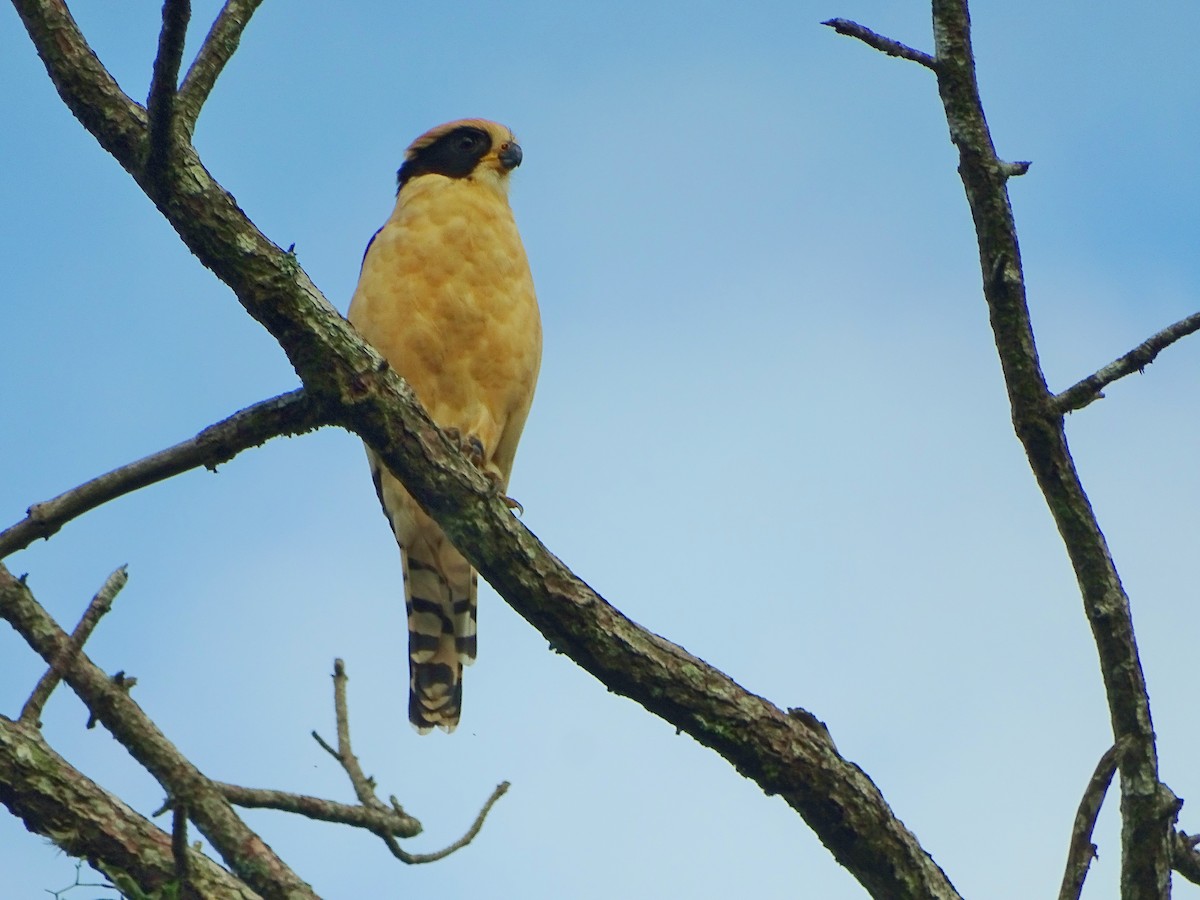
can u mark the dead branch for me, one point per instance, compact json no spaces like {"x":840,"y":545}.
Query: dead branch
{"x":56,"y":800}
{"x":378,"y":820}
{"x":101,"y":604}
{"x":1090,"y":389}
{"x":1081,"y":851}
{"x":243,"y":851}
{"x":881,"y":43}
{"x":292,"y":413}
{"x":364,"y":785}
{"x":1184,"y":858}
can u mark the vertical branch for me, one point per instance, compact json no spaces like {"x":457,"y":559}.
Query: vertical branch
{"x":163,"y":84}
{"x":1145,"y":804}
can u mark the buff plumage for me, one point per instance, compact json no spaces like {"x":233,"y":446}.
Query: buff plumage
{"x":446,"y":296}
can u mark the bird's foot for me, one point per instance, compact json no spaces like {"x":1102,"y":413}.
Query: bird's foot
{"x":498,"y":491}
{"x":470,"y":446}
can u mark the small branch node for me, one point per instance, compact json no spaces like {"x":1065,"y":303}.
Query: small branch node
{"x":1014,"y":169}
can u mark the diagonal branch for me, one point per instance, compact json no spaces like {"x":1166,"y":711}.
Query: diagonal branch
{"x":218,"y":48}
{"x":1090,"y":389}
{"x":1145,"y":803}
{"x":101,"y":604}
{"x":243,"y":850}
{"x":61,"y":803}
{"x":881,"y":43}
{"x":292,"y":413}
{"x":164,"y":80}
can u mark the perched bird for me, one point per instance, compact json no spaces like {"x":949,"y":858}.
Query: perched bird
{"x":446,"y":296}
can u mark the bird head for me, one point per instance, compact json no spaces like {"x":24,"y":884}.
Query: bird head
{"x":466,"y":148}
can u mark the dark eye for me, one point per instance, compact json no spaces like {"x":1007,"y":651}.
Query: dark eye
{"x":468,"y":142}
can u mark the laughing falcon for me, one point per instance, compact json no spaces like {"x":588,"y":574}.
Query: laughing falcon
{"x":445,"y":295}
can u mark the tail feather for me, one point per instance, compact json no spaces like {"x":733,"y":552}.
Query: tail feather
{"x":440,"y":595}
{"x":434,"y":644}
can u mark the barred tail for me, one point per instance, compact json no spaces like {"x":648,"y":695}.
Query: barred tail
{"x":440,"y":589}
{"x":441,"y":637}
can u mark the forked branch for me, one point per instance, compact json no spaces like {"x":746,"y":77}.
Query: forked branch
{"x":364,"y":786}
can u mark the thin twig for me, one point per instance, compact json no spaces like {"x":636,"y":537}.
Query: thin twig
{"x":291,"y":413}
{"x":881,"y":43}
{"x":164,"y":81}
{"x":219,"y":46}
{"x":379,"y":820}
{"x":419,"y":858}
{"x":364,"y":786}
{"x":1081,"y":851}
{"x":1090,"y":389}
{"x":101,"y":604}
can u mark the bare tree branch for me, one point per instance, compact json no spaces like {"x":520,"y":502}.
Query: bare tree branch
{"x":364,"y":786}
{"x":472,"y":832}
{"x":378,"y":820}
{"x":101,"y":604}
{"x":783,"y":754}
{"x":59,"y":802}
{"x":243,"y":851}
{"x":219,"y":46}
{"x":1145,"y":802}
{"x":881,"y":43}
{"x":164,"y":81}
{"x":291,"y":413}
{"x":1184,"y":857}
{"x":1090,"y":389}
{"x":1081,"y":851}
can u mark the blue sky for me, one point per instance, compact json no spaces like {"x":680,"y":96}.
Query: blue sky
{"x":770,"y":426}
